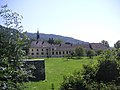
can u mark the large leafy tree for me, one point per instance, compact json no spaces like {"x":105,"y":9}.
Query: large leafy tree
{"x":12,"y":72}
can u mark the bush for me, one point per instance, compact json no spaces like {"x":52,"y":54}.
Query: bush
{"x":73,"y":82}
{"x":98,"y":52}
{"x":90,"y":53}
{"x":105,"y":75}
{"x":109,"y":70}
{"x":118,"y":54}
{"x":79,"y":52}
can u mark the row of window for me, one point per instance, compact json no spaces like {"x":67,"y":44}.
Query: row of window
{"x":53,"y":53}
{"x":41,"y":49}
{"x":42,"y":53}
{"x":38,"y":49}
{"x":60,"y":52}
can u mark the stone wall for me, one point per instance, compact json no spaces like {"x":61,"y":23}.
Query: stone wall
{"x":39,"y":71}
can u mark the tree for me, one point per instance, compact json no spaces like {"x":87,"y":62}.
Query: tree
{"x":117,"y":44}
{"x":98,"y":52}
{"x":104,"y":75}
{"x":12,"y":72}
{"x":51,"y":41}
{"x":90,"y":53}
{"x":105,"y":43}
{"x":57,"y":41}
{"x":54,"y":41}
{"x":11,"y":19}
{"x":79,"y":51}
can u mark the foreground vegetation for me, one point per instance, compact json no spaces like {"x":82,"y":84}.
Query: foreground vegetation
{"x":56,"y":68}
{"x":104,"y":75}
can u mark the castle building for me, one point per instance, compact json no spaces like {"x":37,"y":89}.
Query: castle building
{"x":43,"y":49}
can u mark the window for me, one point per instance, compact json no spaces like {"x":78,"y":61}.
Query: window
{"x":37,"y":49}
{"x":37,"y":53}
{"x":60,"y":52}
{"x":46,"y":49}
{"x":32,"y":49}
{"x":52,"y":49}
{"x":56,"y":53}
{"x":32,"y":53}
{"x":46,"y":53}
{"x":63,"y":52}
{"x":66,"y":52}
{"x":52,"y":53}
{"x":42,"y":49}
{"x":42,"y":53}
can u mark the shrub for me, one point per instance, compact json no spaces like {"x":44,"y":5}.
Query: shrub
{"x":109,"y":70}
{"x":98,"y":52}
{"x":90,"y":53}
{"x":118,"y":54}
{"x":73,"y":82}
{"x":79,"y":52}
{"x":105,"y":75}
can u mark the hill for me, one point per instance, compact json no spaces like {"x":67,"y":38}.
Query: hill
{"x":58,"y":37}
{"x":46,"y":36}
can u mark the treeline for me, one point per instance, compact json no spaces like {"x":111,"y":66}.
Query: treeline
{"x":80,"y":52}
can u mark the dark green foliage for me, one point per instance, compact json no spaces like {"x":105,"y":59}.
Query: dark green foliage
{"x":90,"y":53}
{"x":118,"y":54}
{"x":73,"y":82}
{"x":57,"y":41}
{"x":98,"y":52}
{"x":54,"y":41}
{"x":70,"y":55}
{"x":12,"y":72}
{"x":117,"y":44}
{"x":105,"y":43}
{"x":103,"y":76}
{"x":51,"y":41}
{"x":108,"y":71}
{"x":79,"y":52}
{"x":26,"y":44}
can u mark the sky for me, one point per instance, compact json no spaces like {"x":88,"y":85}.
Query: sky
{"x":86,"y":20}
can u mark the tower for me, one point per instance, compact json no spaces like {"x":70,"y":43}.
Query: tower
{"x":38,"y":34}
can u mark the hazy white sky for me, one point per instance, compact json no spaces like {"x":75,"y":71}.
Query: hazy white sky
{"x":87,"y":20}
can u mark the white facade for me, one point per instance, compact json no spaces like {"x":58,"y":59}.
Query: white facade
{"x":47,"y":50}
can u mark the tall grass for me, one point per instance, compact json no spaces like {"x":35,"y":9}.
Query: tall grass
{"x":56,"y":68}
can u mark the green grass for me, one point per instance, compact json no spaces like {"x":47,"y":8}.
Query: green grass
{"x":56,"y":68}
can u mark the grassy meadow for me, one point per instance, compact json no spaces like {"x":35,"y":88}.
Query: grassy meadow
{"x":55,"y":69}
